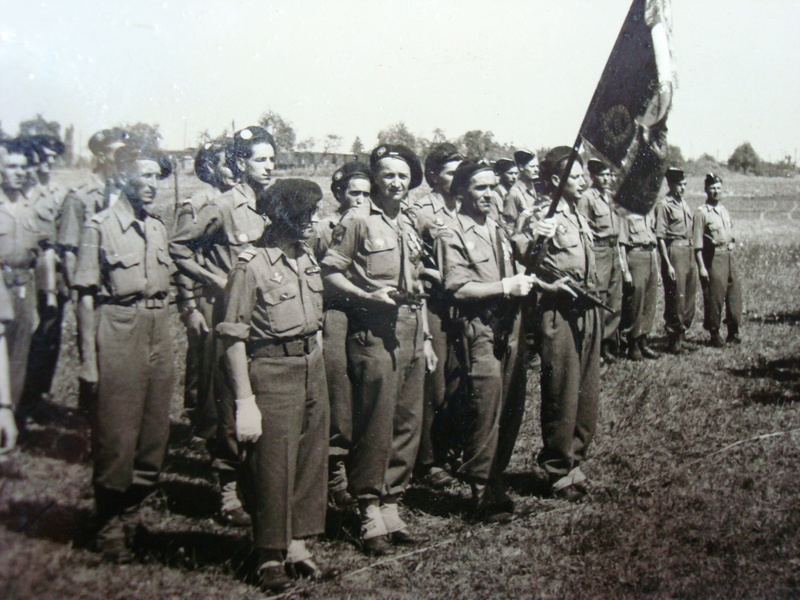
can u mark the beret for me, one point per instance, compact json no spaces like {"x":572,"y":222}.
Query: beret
{"x":289,"y":199}
{"x":347,"y":171}
{"x":403,"y":153}
{"x":712,"y":178}
{"x":438,"y":157}
{"x":523,"y":157}
{"x":464,"y":173}
{"x":675,"y":175}
{"x":555,"y":156}
{"x":128,"y":155}
{"x":596,"y":166}
{"x":104,"y":138}
{"x":207,"y":158}
{"x":502,"y":165}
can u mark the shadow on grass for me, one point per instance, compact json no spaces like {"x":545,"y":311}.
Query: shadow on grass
{"x":51,"y":521}
{"x":778,"y":318}
{"x":196,"y":500}
{"x":195,"y":549}
{"x":436,"y":503}
{"x":57,"y":431}
{"x":528,"y":484}
{"x":782,"y":370}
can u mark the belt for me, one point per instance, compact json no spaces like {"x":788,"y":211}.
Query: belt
{"x":679,"y":243}
{"x":299,"y":346}
{"x":137,"y":302}
{"x":726,"y":247}
{"x":610,"y":241}
{"x":642,"y":248}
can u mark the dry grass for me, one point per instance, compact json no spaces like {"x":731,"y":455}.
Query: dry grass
{"x":678,"y":508}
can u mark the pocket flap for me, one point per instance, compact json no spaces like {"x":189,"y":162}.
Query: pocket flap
{"x":279,"y":295}
{"x":124,"y":260}
{"x":379,"y":244}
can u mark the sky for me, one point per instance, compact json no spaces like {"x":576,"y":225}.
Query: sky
{"x":523,"y":69}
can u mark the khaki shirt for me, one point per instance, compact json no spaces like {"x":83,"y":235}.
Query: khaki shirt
{"x":432,"y":220}
{"x":518,"y":200}
{"x":22,"y":233}
{"x":673,"y":219}
{"x":712,"y":226}
{"x":79,"y":206}
{"x":375,"y":251}
{"x":635,"y":229}
{"x":600,"y":213}
{"x":270,"y":297}
{"x":48,"y":201}
{"x":124,"y":258}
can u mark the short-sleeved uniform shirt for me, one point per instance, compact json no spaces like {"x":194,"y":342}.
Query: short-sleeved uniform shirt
{"x":123,"y":257}
{"x":48,"y":201}
{"x":375,"y":251}
{"x":635,"y":229}
{"x":80,"y":205}
{"x":433,"y":220}
{"x":570,"y":249}
{"x":712,"y":226}
{"x":519,"y":199}
{"x":22,"y":233}
{"x":600,"y":213}
{"x":271,"y":297}
{"x":673,"y":219}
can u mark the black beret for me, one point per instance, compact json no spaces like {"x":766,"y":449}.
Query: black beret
{"x":106,"y":137}
{"x":288,"y":199}
{"x":438,"y":158}
{"x":245,"y":139}
{"x":21,"y":145}
{"x":675,"y":175}
{"x":127,"y":155}
{"x":712,"y":178}
{"x":596,"y":166}
{"x":523,"y":157}
{"x":403,"y":153}
{"x":555,"y":156}
{"x":48,"y":142}
{"x":346,"y":172}
{"x":464,"y":173}
{"x":207,"y":157}
{"x":502,"y":165}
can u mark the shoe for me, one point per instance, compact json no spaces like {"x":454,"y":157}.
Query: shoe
{"x":716,"y":340}
{"x":674,"y":344}
{"x":571,"y":493}
{"x":405,"y":538}
{"x":634,"y":352}
{"x":571,"y":487}
{"x":272,"y":577}
{"x":342,"y":499}
{"x":607,"y":354}
{"x":645,"y":349}
{"x":437,"y":478}
{"x":376,"y":546}
{"x":114,"y":541}
{"x":308,"y":569}
{"x":501,"y":513}
{"x":232,"y":512}
{"x":733,"y":338}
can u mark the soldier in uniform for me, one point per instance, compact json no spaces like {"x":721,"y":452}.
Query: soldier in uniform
{"x":22,"y":235}
{"x":637,"y":243}
{"x":375,"y":259}
{"x":600,"y":210}
{"x":222,"y":229}
{"x":480,"y":273}
{"x":124,"y":273}
{"x":351,"y":186}
{"x":8,"y":424}
{"x":713,"y":248}
{"x":569,"y":332}
{"x":674,"y":234}
{"x":273,"y":350}
{"x":435,"y":216}
{"x":522,"y":197}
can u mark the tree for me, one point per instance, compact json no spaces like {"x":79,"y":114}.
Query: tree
{"x":281,"y":130}
{"x":149,"y":136}
{"x":358,"y":147}
{"x":745,"y":159}
{"x":307,"y":145}
{"x":40,"y":126}
{"x":331,"y":143}
{"x":675,"y":157}
{"x":480,"y":144}
{"x":203,"y":137}
{"x":399,"y":134}
{"x":69,"y":145}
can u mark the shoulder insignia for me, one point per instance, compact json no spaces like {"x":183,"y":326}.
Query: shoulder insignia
{"x":338,"y":233}
{"x":247,"y":255}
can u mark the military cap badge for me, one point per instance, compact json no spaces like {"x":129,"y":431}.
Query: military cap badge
{"x":380,"y":151}
{"x":246,"y":134}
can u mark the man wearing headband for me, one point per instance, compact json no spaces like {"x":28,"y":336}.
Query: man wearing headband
{"x":713,"y":248}
{"x":674,"y":233}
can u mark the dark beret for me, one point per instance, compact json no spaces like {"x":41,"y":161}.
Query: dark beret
{"x":49,"y":142}
{"x":288,"y":200}
{"x":712,"y":178}
{"x":403,"y":153}
{"x":523,"y":157}
{"x":555,"y":156}
{"x":675,"y":175}
{"x":245,"y":139}
{"x":438,"y":158}
{"x":346,"y":172}
{"x":465,"y":171}
{"x":106,"y":137}
{"x":128,"y":155}
{"x":207,"y":157}
{"x":502,"y":165}
{"x":21,"y":145}
{"x":596,"y":166}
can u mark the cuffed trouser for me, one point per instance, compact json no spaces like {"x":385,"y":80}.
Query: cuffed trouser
{"x":680,"y":294}
{"x":570,"y":353}
{"x":18,"y":334}
{"x":609,"y":287}
{"x":387,"y":367}
{"x":131,"y":422}
{"x":722,"y":287}
{"x":284,"y":477}
{"x":493,"y":402}
{"x":201,"y":372}
{"x":639,"y":298}
{"x":340,"y":392}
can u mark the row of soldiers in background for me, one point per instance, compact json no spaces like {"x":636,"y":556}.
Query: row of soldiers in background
{"x":418,"y":308}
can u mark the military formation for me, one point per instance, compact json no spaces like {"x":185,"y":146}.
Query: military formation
{"x":333,"y":362}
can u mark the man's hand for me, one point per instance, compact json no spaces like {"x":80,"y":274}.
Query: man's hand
{"x":218,"y":282}
{"x":196,"y":323}
{"x":381,"y":296}
{"x":703,"y":274}
{"x":627,"y":277}
{"x":671,"y":272}
{"x":545,"y":228}
{"x":248,"y":420}
{"x":431,"y":360}
{"x":560,"y":285}
{"x":518,"y":285}
{"x":51,"y":300}
{"x":88,"y":370}
{"x":8,"y":430}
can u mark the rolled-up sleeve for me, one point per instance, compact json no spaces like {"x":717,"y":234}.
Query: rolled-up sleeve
{"x":345,"y":241}
{"x":662,"y":218}
{"x":240,"y":301}
{"x":87,"y":272}
{"x":456,"y":271}
{"x":698,"y":229}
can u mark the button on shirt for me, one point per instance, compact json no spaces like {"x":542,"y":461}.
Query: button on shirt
{"x":635,"y":229}
{"x":272,"y":297}
{"x":22,"y":233}
{"x":122,"y":257}
{"x":673,"y":219}
{"x":600,"y":213}
{"x":712,"y":226}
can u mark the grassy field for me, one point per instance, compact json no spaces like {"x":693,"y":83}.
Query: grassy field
{"x":695,"y":472}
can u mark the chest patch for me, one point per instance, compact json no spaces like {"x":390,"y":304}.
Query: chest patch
{"x":277,"y":277}
{"x":242,"y":237}
{"x":439,"y":222}
{"x":561,"y":229}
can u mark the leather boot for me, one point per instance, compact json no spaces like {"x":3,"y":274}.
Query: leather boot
{"x":645,"y":349}
{"x":716,"y":339}
{"x":674,"y":343}
{"x":634,"y":351}
{"x":607,"y":353}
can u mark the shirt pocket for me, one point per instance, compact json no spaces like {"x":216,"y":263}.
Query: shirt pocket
{"x":602,"y":215}
{"x":381,"y":259}
{"x":126,"y":273}
{"x":284,"y":309}
{"x":568,"y":238}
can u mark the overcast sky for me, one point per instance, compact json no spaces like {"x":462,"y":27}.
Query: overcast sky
{"x":523,"y":69}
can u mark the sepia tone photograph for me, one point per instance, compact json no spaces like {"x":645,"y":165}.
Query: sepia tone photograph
{"x":399,"y":300}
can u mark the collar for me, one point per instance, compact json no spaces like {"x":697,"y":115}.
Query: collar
{"x":244,"y":194}
{"x":123,"y":210}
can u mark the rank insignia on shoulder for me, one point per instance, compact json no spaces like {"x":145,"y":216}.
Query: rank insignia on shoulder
{"x":247,"y":255}
{"x":338,"y":233}
{"x":277,"y":277}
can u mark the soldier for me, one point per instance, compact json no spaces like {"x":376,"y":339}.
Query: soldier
{"x":22,"y":234}
{"x":435,"y":216}
{"x":351,"y":187}
{"x":480,"y":272}
{"x":507,"y":172}
{"x":522,"y":197}
{"x":223,"y":228}
{"x":674,"y":233}
{"x":637,"y":243}
{"x":713,"y":249}
{"x":124,"y":271}
{"x":271,"y":334}
{"x":569,"y":332}
{"x":8,"y":425}
{"x":600,"y":210}
{"x":388,"y":344}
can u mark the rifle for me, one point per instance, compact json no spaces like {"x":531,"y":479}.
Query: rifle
{"x":553,"y":274}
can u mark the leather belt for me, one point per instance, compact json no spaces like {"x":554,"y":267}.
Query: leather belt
{"x":152,"y":303}
{"x":679,"y":243}
{"x":610,"y":241}
{"x":726,"y":247}
{"x":299,"y":346}
{"x":642,"y":248}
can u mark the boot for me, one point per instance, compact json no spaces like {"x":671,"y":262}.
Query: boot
{"x":645,"y":349}
{"x":716,"y":339}
{"x":674,"y":343}
{"x":634,"y":351}
{"x":733,"y":336}
{"x":607,"y":352}
{"x":337,"y":483}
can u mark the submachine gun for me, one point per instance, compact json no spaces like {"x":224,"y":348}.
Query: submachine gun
{"x":551,"y":274}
